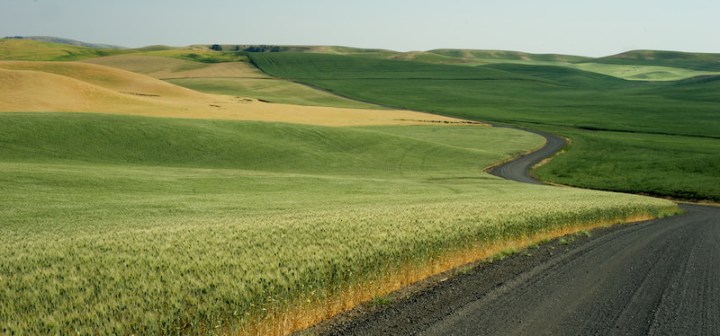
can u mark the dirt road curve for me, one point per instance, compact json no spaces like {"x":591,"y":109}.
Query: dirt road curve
{"x":659,"y":277}
{"x":519,"y":169}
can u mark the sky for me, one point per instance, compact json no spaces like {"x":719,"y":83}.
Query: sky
{"x":577,"y":27}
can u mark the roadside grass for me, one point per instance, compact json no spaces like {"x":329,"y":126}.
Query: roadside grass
{"x":546,"y":97}
{"x":129,"y":225}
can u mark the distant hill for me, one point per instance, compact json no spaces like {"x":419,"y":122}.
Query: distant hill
{"x":695,"y":61}
{"x":32,"y":50}
{"x":643,"y":65}
{"x":493,"y":56}
{"x":701,"y":88}
{"x":564,"y":76}
{"x":60,"y":40}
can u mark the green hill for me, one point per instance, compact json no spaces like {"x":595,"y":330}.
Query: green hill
{"x":522,"y":93}
{"x":701,"y":88}
{"x":257,"y":146}
{"x":563,"y":76}
{"x":577,"y":103}
{"x":695,"y":61}
{"x":308,"y":66}
{"x":504,"y":56}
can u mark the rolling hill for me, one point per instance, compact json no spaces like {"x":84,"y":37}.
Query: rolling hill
{"x":595,"y":110}
{"x":60,"y":40}
{"x":80,"y":87}
{"x":634,"y":65}
{"x":172,"y":68}
{"x":695,"y":61}
{"x":29,"y":50}
{"x":504,"y":56}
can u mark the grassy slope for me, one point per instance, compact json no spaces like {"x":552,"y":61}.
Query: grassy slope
{"x":105,"y":77}
{"x":79,"y":87}
{"x":628,"y":69}
{"x":28,"y":50}
{"x":502,"y":56}
{"x":642,"y":72}
{"x":543,"y":95}
{"x":161,"y":67}
{"x":71,"y":42}
{"x":695,"y":61}
{"x":229,"y":78}
{"x":221,"y":144}
{"x":211,"y":220}
{"x":270,"y":90}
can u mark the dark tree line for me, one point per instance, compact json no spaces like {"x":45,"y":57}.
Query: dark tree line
{"x":253,"y":48}
{"x":263,"y":48}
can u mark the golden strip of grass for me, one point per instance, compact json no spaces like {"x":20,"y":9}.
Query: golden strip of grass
{"x":302,"y":315}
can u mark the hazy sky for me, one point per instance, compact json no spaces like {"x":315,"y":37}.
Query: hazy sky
{"x":580,"y":27}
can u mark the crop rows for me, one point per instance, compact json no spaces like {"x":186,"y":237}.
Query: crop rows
{"x":192,"y":275}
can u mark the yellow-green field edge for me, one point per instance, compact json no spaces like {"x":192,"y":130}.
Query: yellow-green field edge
{"x":296,"y":317}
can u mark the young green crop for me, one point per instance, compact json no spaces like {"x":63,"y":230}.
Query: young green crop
{"x":688,"y":168}
{"x":123,"y":225}
{"x":549,"y":97}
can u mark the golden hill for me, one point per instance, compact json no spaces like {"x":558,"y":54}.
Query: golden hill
{"x":106,"y":77}
{"x":80,"y":87}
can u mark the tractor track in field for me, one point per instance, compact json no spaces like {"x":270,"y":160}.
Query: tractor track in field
{"x":658,"y":277}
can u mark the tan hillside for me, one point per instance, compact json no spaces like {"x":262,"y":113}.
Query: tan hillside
{"x":78,"y":87}
{"x":110,"y":78}
{"x":167,"y":68}
{"x":32,"y":91}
